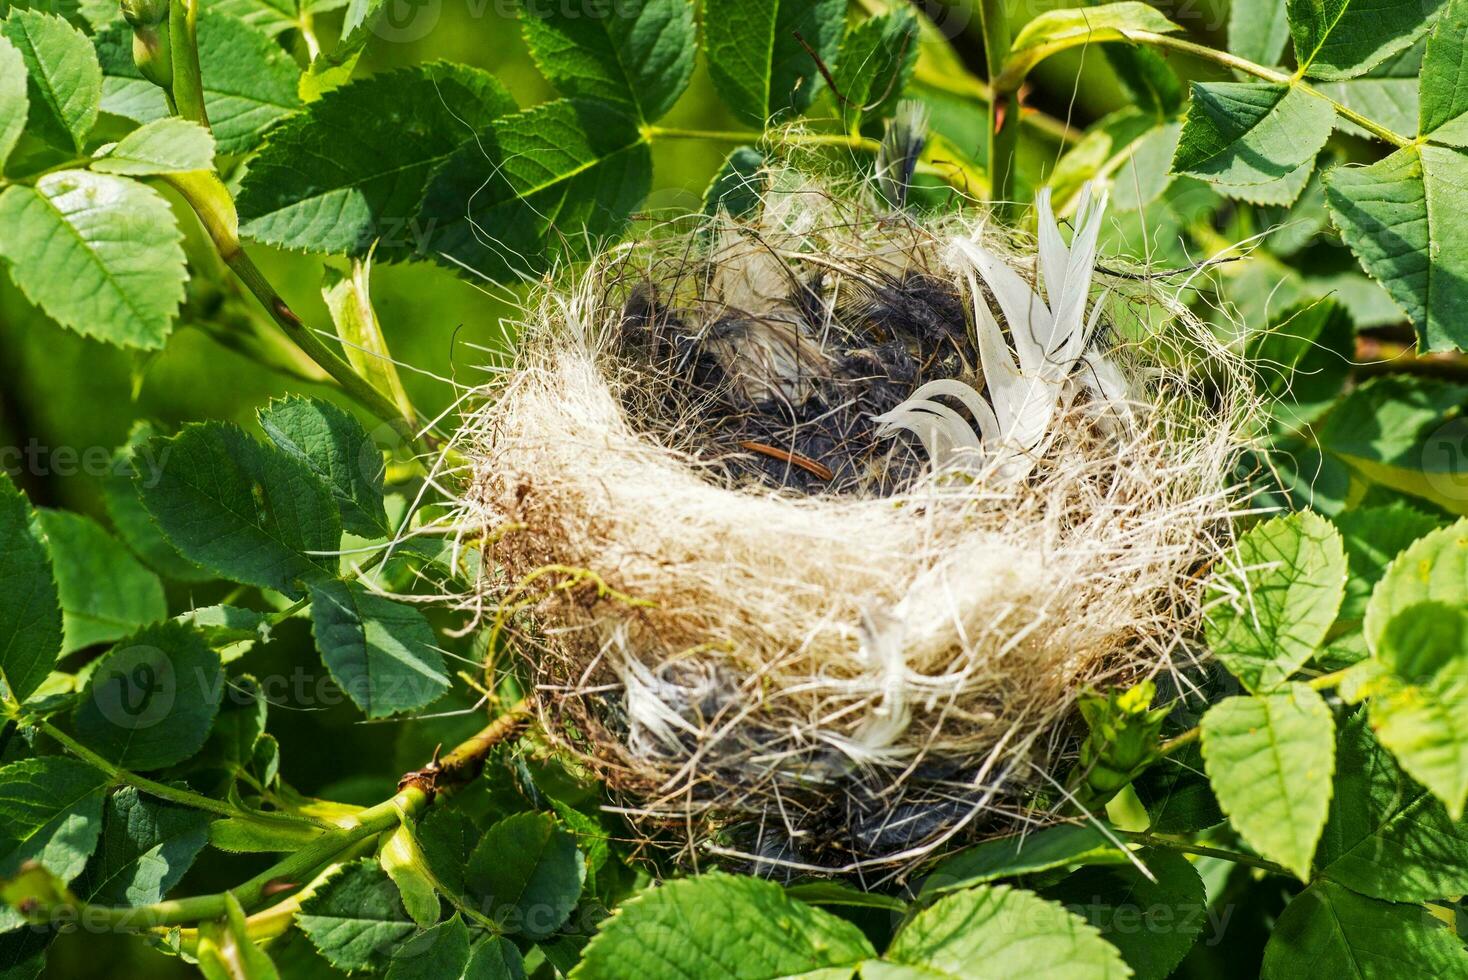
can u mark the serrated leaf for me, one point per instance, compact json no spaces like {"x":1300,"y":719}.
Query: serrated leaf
{"x":334,"y":445}
{"x":874,"y":65}
{"x":1147,"y":77}
{"x":1404,"y":433}
{"x":1270,"y":759}
{"x":351,"y":169}
{"x":160,"y":147}
{"x":1444,"y":101}
{"x":270,"y":17}
{"x":839,"y":893}
{"x":528,"y":872}
{"x":1417,"y":708}
{"x":249,"y":512}
{"x":1153,"y":922}
{"x":14,"y":106}
{"x":1270,"y":607}
{"x":447,"y":838}
{"x":30,"y":609}
{"x":1240,"y":135}
{"x":718,"y":924}
{"x":1374,"y":536}
{"x":63,"y":79}
{"x":543,"y":185}
{"x":1022,"y":854}
{"x":105,"y":592}
{"x":1387,"y":837}
{"x":759,"y":67}
{"x":738,"y":187}
{"x":1177,"y":794}
{"x":152,"y":699}
{"x":1258,"y":30}
{"x":380,"y":652}
{"x":1434,"y":568}
{"x":50,"y":812}
{"x":1337,"y":39}
{"x":1327,"y":931}
{"x":147,"y":845}
{"x":439,"y":953}
{"x":635,"y":53}
{"x":1011,"y":932}
{"x":133,"y":523}
{"x":100,"y":254}
{"x":1387,"y":94}
{"x":224,"y":624}
{"x":1054,"y":30}
{"x":356,"y":919}
{"x":1399,"y":215}
{"x":249,"y":81}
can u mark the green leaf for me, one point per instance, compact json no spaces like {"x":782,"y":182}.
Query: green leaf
{"x":224,"y":624}
{"x":1417,"y":709}
{"x":50,"y":812}
{"x":1010,"y":932}
{"x":1153,"y":923}
{"x":380,"y":652}
{"x":1404,"y":433}
{"x":405,"y":865}
{"x":1258,"y":30}
{"x":839,"y":893}
{"x":1398,"y":215}
{"x":147,"y":845}
{"x":334,"y":445}
{"x":1327,"y":931}
{"x":541,"y":186}
{"x":105,"y":593}
{"x":759,"y":67}
{"x":1022,"y":854}
{"x":721,"y":925}
{"x":152,"y":700}
{"x":1433,"y":569}
{"x":1270,"y":760}
{"x":1243,"y":135}
{"x":1270,"y":607}
{"x":159,"y":147}
{"x":13,"y":104}
{"x":1337,"y":39}
{"x":447,"y":838}
{"x":64,"y":80}
{"x":1177,"y":794}
{"x":1373,"y":537}
{"x":1387,"y":94}
{"x":874,"y":65}
{"x":351,"y":169}
{"x":1303,"y":359}
{"x":1055,"y":30}
{"x":438,"y":953}
{"x":238,"y":726}
{"x":270,"y":17}
{"x":349,"y":300}
{"x":494,"y":958}
{"x":528,"y":872}
{"x":356,"y":918}
{"x":100,"y":254}
{"x":1387,"y":837}
{"x":30,"y":609}
{"x":249,"y":512}
{"x":635,"y":53}
{"x":1444,"y":101}
{"x":226,"y":951}
{"x":131,"y":520}
{"x":249,"y":81}
{"x":738,"y":187}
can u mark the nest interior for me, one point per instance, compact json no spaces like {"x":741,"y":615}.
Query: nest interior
{"x":812,"y":525}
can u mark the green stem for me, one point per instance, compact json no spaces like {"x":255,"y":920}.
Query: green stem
{"x":418,"y":791}
{"x":172,"y":793}
{"x":187,"y":90}
{"x":1003,"y":116}
{"x":1203,"y":850}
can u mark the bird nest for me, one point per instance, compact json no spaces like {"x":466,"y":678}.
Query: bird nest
{"x":812,"y":525}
